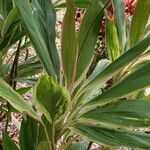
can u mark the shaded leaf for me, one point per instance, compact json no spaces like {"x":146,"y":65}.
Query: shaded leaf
{"x":8,"y":144}
{"x":11,"y":18}
{"x":42,"y":135}
{"x":23,"y":90}
{"x":28,"y":134}
{"x":43,"y":146}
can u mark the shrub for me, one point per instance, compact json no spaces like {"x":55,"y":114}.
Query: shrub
{"x":67,"y":104}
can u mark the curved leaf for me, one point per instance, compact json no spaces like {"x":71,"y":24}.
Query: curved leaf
{"x":133,"y":113}
{"x":35,"y":35}
{"x":11,"y":18}
{"x":114,"y":137}
{"x":118,"y":64}
{"x":45,"y":17}
{"x":51,"y":99}
{"x":88,"y":34}
{"x":16,"y":100}
{"x":133,"y":82}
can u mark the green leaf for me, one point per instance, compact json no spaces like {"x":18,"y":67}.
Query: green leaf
{"x":16,"y":100}
{"x":112,"y":43}
{"x":133,"y":82}
{"x":119,"y":15}
{"x":133,"y":113}
{"x":90,"y":94}
{"x":45,"y":16}
{"x":33,"y":31}
{"x":15,"y":32}
{"x":51,"y":99}
{"x":69,"y":43}
{"x":78,"y":4}
{"x":139,"y":21}
{"x":43,"y":146}
{"x":118,"y":64}
{"x":29,"y":68}
{"x":88,"y":34}
{"x":11,"y":18}
{"x":8,"y":144}
{"x":5,"y":7}
{"x":113,"y":137}
{"x":23,"y":90}
{"x":28,"y":133}
{"x":42,"y":135}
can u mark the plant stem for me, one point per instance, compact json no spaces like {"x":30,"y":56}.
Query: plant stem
{"x":37,"y":136}
{"x":13,"y":73}
{"x":27,"y":53}
{"x":53,"y":136}
{"x":89,"y":146}
{"x":47,"y":136}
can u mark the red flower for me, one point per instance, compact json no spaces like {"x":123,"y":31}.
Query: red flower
{"x":129,"y":9}
{"x":130,"y":6}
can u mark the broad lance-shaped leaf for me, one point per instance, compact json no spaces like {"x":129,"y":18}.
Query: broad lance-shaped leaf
{"x":139,"y":21}
{"x":11,"y":18}
{"x":133,"y":113}
{"x":69,"y":43}
{"x":49,"y":127}
{"x":113,"y":137}
{"x":51,"y":99}
{"x":45,"y":16}
{"x":16,"y":100}
{"x":8,"y":143}
{"x":88,"y":34}
{"x":119,"y":15}
{"x":112,"y":43}
{"x":35,"y":35}
{"x":118,"y":64}
{"x":133,"y":82}
{"x":28,"y":133}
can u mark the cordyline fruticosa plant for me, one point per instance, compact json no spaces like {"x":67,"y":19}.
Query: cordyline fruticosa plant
{"x":69,"y":105}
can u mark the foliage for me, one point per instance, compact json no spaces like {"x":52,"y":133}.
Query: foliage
{"x":66,"y":103}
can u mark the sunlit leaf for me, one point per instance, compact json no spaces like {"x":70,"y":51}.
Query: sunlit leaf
{"x":69,"y":43}
{"x":139,"y":21}
{"x":51,"y":99}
